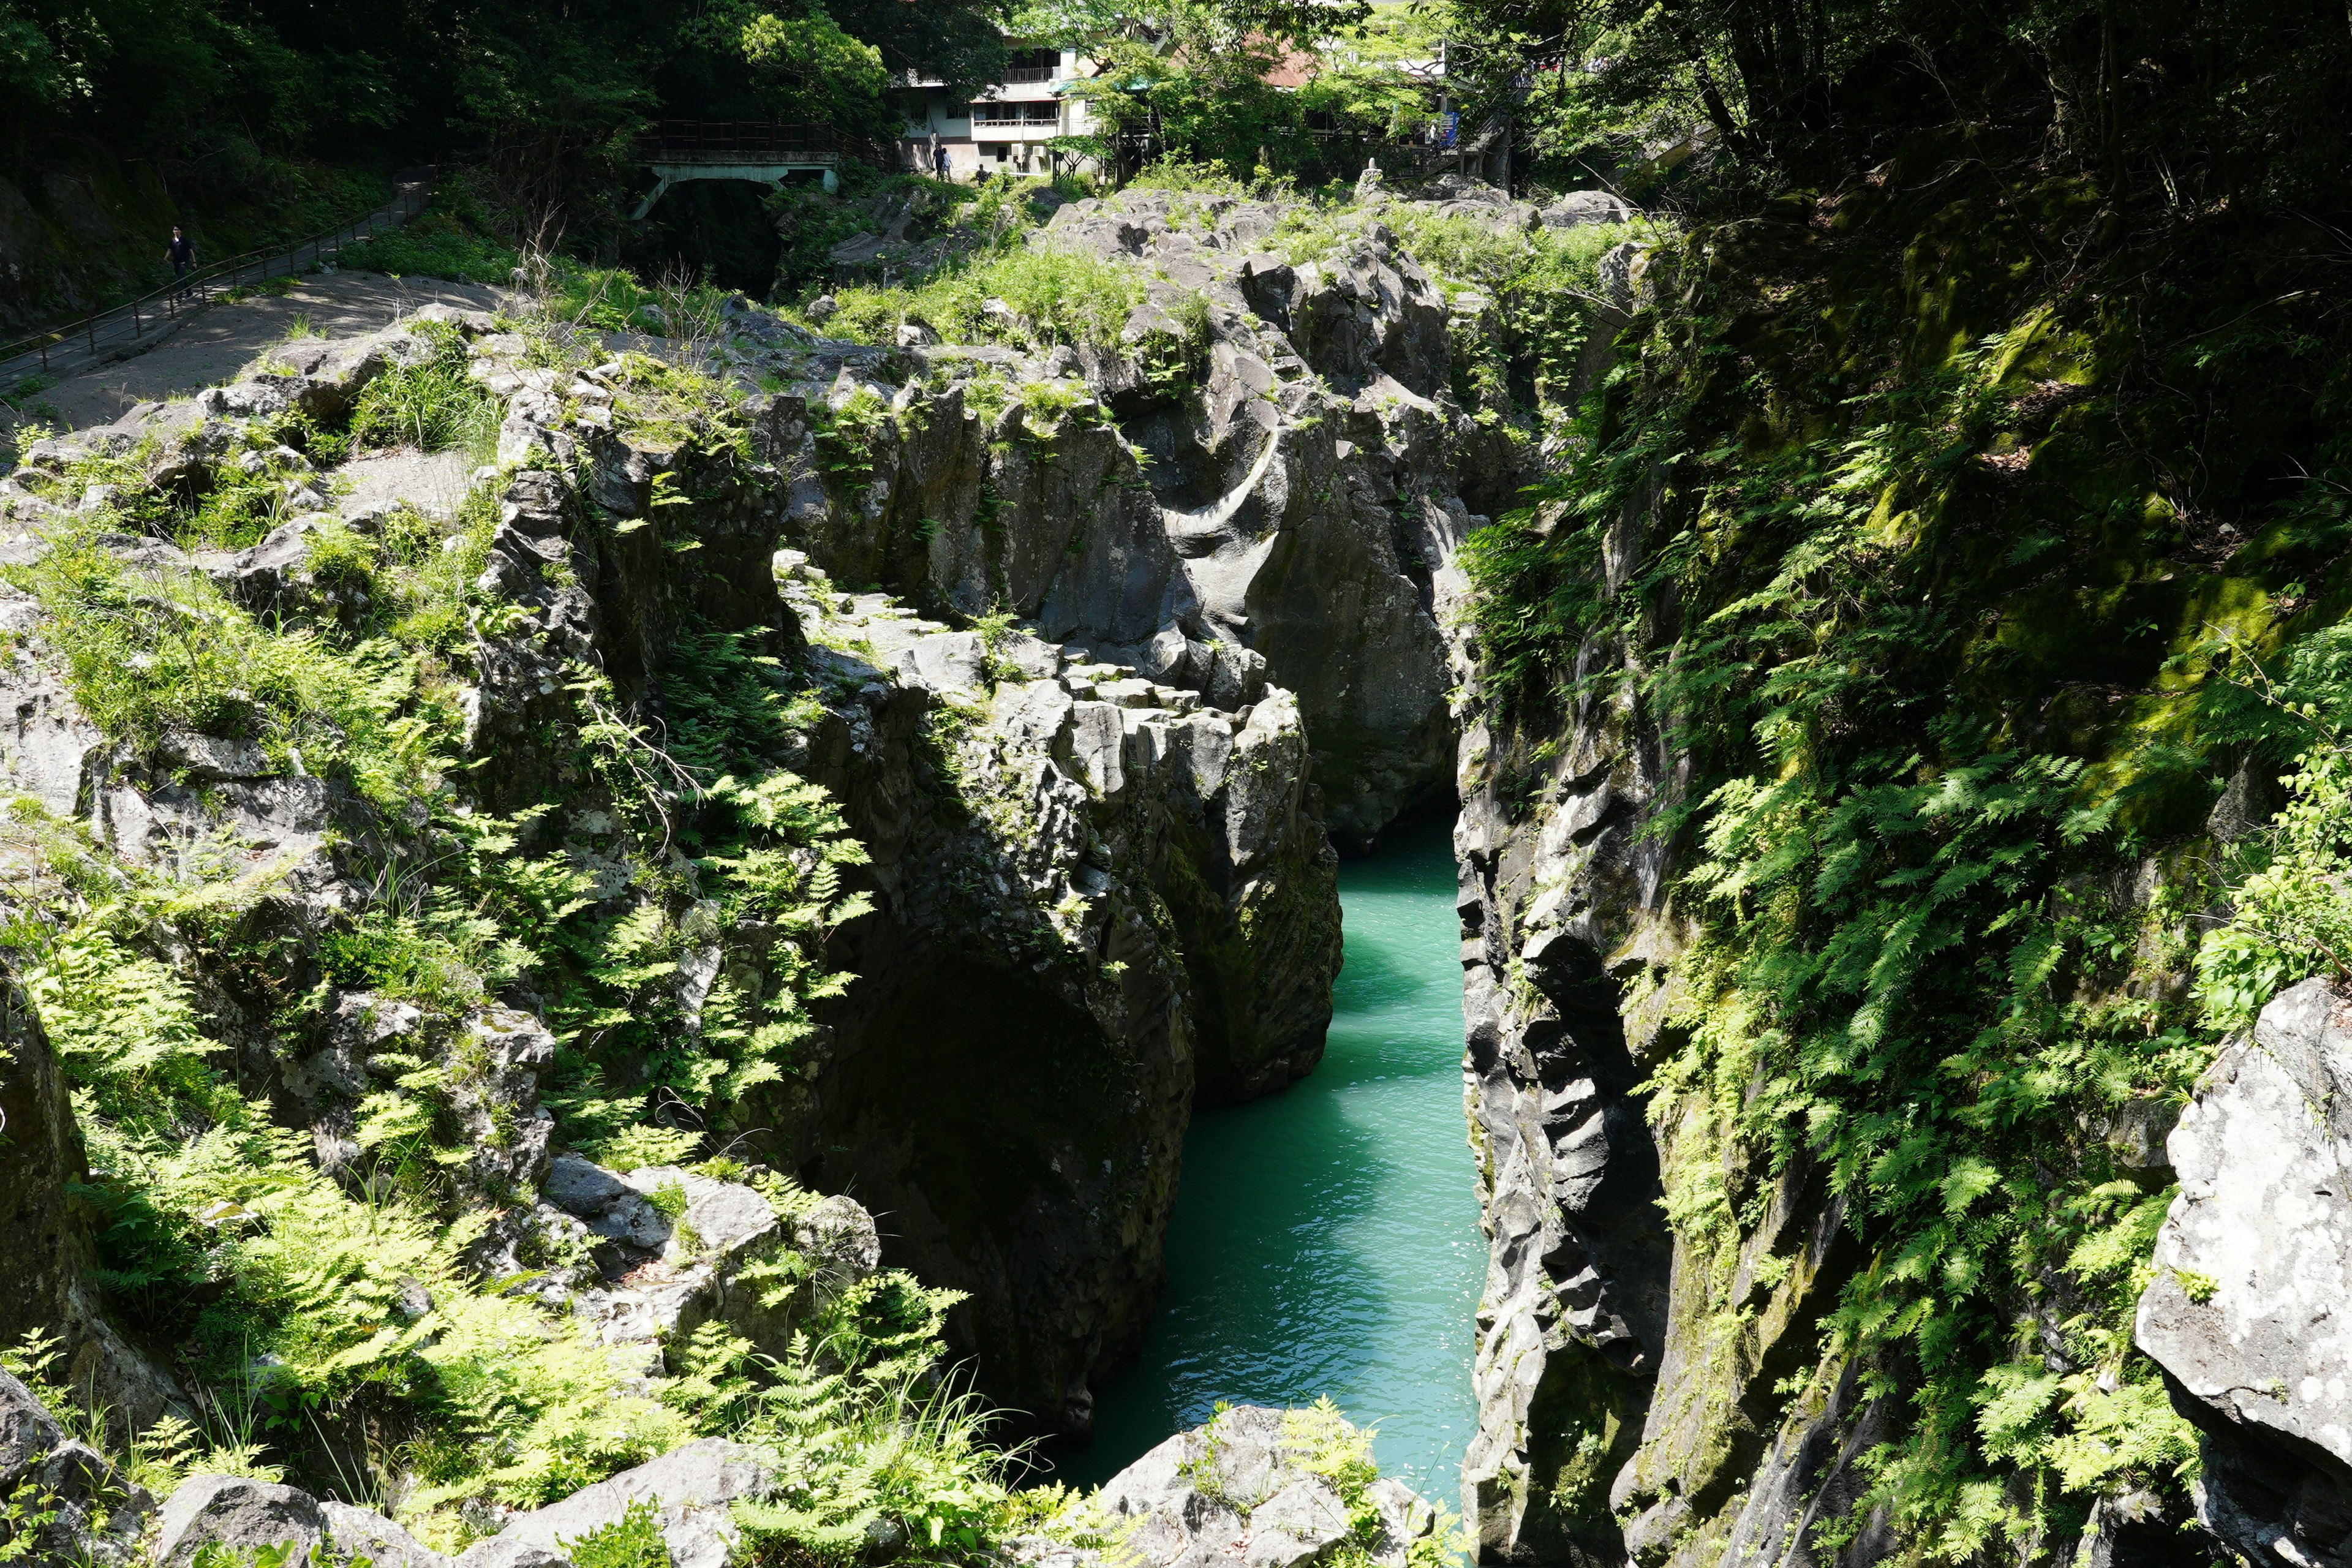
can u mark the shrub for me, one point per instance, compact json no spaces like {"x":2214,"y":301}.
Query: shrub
{"x":632,"y":1541}
{"x":434,"y":244}
{"x":1034,"y":298}
{"x":432,"y":406}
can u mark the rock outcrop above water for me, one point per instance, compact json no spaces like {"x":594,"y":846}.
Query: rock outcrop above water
{"x":1563,"y":903}
{"x":1575,"y":1309}
{"x":1254,"y":482}
{"x":2250,"y":1311}
{"x":1155,"y":866}
{"x":1098,"y":895}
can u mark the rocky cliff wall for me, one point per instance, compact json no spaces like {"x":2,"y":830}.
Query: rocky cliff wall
{"x":2246,"y":1310}
{"x":1832,"y":956}
{"x":1079,"y":885}
{"x":1258,"y":474}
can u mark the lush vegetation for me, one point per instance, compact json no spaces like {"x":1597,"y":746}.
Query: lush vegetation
{"x":293,"y":1290}
{"x":1961,"y":656}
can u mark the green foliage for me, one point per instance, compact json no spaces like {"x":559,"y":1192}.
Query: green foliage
{"x":152,"y":650}
{"x":2291,"y":916}
{"x":632,"y":1541}
{"x":1028,"y":298}
{"x":866,"y":1429}
{"x":1856,"y":525}
{"x":1546,"y":292}
{"x":636,"y":1148}
{"x":432,"y":406}
{"x":1189,"y":82}
{"x":443,"y":241}
{"x":613,"y":300}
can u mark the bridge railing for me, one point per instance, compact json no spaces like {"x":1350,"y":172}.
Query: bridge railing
{"x":711,"y":139}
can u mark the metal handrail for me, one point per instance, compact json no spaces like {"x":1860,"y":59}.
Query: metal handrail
{"x":707,"y":136}
{"x":183,"y":297}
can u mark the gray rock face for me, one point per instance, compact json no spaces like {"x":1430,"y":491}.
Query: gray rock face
{"x":655,"y":1278}
{"x":1236,"y":1489}
{"x":1559,"y":885}
{"x":1111,"y":874}
{"x":1578,"y":208}
{"x":1279,"y":500}
{"x":358,"y":1532}
{"x":96,"y":1511}
{"x":499,"y":1101}
{"x":1156,"y":866}
{"x":501,"y":1552}
{"x":239,"y":1514}
{"x":43,"y":1152}
{"x":2249,"y":1313}
{"x":693,"y":1488}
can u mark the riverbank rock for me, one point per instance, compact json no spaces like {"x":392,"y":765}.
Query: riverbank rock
{"x":2250,"y":1312}
{"x":1097,"y":899}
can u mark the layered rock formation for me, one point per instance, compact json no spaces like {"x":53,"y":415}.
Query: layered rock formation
{"x":1095,"y":895}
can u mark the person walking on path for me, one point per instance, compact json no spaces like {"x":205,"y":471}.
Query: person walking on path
{"x":181,"y":254}
{"x":939,"y":163}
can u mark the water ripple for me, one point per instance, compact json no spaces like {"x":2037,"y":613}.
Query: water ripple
{"x":1326,"y":1240}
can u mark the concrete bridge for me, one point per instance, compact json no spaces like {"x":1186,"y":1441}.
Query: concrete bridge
{"x":761,"y":150}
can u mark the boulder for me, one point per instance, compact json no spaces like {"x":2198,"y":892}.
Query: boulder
{"x":1304,"y":1523}
{"x":272,"y":577}
{"x":1238,"y":1489}
{"x":694,"y":1489}
{"x":1578,"y":208}
{"x":356,"y":1532}
{"x":2247,"y":1311}
{"x":660,"y":1277}
{"x":238,"y":1513}
{"x":96,"y":1513}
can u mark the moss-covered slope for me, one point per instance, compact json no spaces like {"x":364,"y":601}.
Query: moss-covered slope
{"x":1859,"y":732}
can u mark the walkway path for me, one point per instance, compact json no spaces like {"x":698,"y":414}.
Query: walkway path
{"x":215,"y":346}
{"x":130,"y":330}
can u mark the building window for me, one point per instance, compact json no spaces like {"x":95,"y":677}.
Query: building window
{"x":1035,"y":65}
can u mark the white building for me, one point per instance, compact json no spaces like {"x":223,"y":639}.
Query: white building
{"x":1006,"y":128}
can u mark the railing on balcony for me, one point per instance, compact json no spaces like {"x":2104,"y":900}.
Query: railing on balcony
{"x":1001,"y":114}
{"x":1031,"y":73}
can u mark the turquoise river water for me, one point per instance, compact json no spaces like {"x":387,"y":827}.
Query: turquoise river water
{"x":1326,"y":1239}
